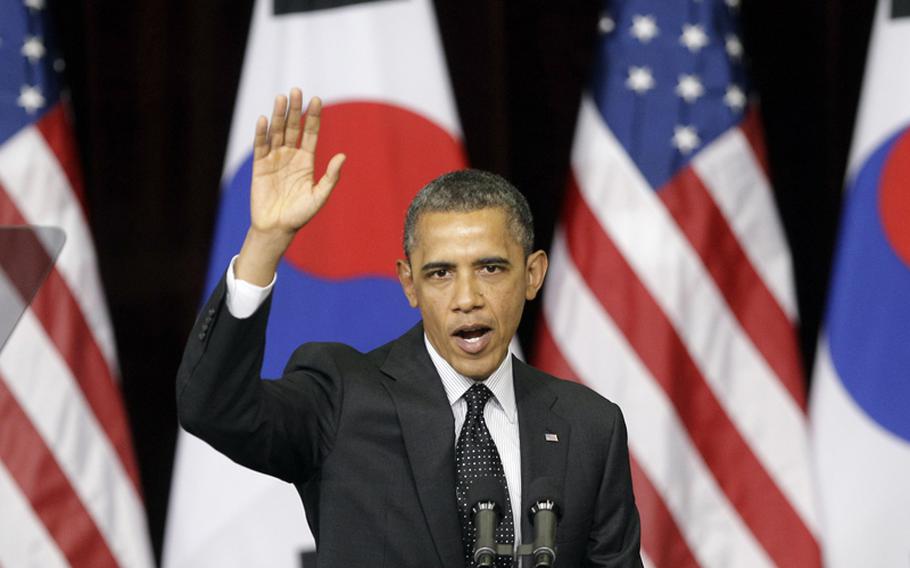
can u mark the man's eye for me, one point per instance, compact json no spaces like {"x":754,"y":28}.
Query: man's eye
{"x":441,"y":273}
{"x":492,"y":269}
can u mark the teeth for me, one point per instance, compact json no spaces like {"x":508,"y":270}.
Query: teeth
{"x":472,"y":339}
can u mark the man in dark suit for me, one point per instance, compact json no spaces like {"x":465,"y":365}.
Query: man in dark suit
{"x":383,"y":447}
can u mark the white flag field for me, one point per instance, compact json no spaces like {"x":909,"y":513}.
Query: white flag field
{"x":860,"y":404}
{"x":379,"y":68}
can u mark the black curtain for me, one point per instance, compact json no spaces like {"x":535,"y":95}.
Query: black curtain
{"x":153,"y":85}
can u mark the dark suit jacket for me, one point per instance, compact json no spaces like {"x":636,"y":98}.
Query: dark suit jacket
{"x":368,"y":440}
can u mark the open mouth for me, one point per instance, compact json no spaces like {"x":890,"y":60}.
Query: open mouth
{"x":473,"y":338}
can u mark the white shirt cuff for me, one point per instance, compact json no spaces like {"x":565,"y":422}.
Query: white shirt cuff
{"x":243,"y":298}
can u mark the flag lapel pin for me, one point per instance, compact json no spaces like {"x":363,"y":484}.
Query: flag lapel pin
{"x":551,"y":437}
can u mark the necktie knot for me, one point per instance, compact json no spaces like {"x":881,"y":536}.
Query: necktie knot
{"x":477,"y":397}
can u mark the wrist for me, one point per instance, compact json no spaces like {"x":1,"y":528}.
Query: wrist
{"x":271,"y":242}
{"x":259,"y":256}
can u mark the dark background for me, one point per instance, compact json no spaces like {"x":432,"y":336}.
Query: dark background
{"x":153,"y":85}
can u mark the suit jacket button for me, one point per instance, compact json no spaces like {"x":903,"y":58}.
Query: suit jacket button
{"x":211,"y":311}
{"x":201,"y":336}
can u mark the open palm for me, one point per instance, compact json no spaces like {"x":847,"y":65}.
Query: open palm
{"x":284,"y":193}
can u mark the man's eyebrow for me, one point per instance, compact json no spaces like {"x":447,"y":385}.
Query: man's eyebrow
{"x":437,"y":265}
{"x":492,"y":260}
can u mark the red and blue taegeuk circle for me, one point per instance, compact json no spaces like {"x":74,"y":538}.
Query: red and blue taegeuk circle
{"x":337,"y":281}
{"x":868,"y":321}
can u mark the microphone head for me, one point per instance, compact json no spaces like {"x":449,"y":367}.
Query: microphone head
{"x":484,"y":491}
{"x":545,"y":494}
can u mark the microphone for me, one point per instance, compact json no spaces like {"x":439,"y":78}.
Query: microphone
{"x":486,"y":496}
{"x":544,"y":514}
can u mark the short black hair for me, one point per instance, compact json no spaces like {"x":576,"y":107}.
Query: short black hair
{"x":471,"y":190}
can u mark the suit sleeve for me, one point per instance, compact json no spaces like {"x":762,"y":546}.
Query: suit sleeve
{"x":615,"y":539}
{"x":283,"y":427}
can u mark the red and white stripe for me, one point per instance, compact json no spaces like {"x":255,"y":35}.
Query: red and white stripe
{"x":66,"y":459}
{"x":678,"y":304}
{"x":33,"y":540}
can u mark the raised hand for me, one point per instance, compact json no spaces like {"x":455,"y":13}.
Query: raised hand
{"x":284,"y":194}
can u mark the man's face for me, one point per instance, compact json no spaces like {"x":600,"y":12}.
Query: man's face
{"x":470,"y":278}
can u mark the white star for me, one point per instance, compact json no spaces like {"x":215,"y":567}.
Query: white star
{"x":644,"y":28}
{"x":34,"y":4}
{"x":689,"y":88}
{"x":735,"y":98}
{"x":733,"y":3}
{"x":33,"y":49}
{"x":694,"y":37}
{"x":685,"y":138}
{"x":734,"y":47}
{"x":606,"y":24}
{"x":640,"y":79}
{"x":30,"y":98}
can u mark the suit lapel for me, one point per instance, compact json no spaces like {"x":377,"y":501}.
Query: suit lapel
{"x":544,"y":436}
{"x":428,"y":430}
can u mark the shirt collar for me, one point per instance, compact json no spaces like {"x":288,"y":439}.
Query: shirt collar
{"x":455,"y":384}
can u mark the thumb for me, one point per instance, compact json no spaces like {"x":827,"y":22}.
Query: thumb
{"x":331,"y":176}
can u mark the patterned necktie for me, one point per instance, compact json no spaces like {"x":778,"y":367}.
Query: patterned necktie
{"x":476,"y":456}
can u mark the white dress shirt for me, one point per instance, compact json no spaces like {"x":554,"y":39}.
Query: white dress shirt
{"x":242,"y":298}
{"x":500,"y":413}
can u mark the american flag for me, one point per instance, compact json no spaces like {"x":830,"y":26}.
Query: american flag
{"x":69,"y":484}
{"x":670,"y":291}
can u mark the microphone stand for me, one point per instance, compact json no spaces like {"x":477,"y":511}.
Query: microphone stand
{"x":544,"y":516}
{"x":488,"y":498}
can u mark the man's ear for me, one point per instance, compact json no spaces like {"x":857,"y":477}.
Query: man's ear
{"x":535,"y":271}
{"x":406,"y":278}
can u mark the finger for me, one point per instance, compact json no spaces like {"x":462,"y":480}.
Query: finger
{"x":276,"y":128}
{"x":261,"y":140}
{"x":311,"y":126}
{"x":292,"y":132}
{"x":331,"y":176}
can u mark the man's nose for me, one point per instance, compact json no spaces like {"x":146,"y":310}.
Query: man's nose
{"x":468,"y":295}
